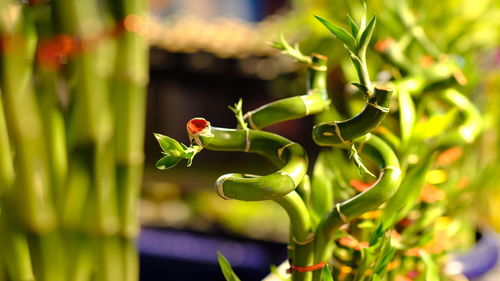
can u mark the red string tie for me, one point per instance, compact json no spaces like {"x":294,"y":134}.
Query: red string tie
{"x":314,"y":267}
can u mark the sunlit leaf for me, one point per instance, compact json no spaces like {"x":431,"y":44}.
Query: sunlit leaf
{"x":169,"y":145}
{"x":436,"y":125}
{"x":431,"y":269}
{"x":353,"y":26}
{"x":359,"y":162}
{"x":340,"y":34}
{"x":366,"y":35}
{"x":406,"y":196}
{"x":406,"y":115}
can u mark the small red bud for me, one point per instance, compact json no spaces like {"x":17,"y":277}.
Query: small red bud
{"x":197,"y":125}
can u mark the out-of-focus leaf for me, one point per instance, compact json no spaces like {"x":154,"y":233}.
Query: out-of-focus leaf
{"x":431,"y":269}
{"x":403,"y":201}
{"x":167,"y":162}
{"x":226,"y":268}
{"x":276,"y":272}
{"x":435,"y":125}
{"x":326,"y":274}
{"x":406,"y":115}
{"x":340,"y":34}
{"x":384,"y":260}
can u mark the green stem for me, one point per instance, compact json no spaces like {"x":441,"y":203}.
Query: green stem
{"x":314,"y":102}
{"x":129,"y":99}
{"x":289,"y":155}
{"x":386,"y":185}
{"x":7,"y":174}
{"x":14,"y":241}
{"x":33,"y":186}
{"x":90,"y":124}
{"x":301,"y":236}
{"x":53,"y":124}
{"x":410,"y":23}
{"x":342,"y":133}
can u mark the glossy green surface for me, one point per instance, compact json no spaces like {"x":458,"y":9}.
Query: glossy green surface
{"x":290,"y":157}
{"x":386,"y":185}
{"x":339,"y":133}
{"x":315,"y":101}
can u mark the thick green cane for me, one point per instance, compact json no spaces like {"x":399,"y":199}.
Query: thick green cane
{"x":386,"y":185}
{"x":279,"y":186}
{"x":289,"y":155}
{"x":342,"y":133}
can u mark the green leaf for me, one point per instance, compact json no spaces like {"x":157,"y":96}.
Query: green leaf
{"x":361,"y":87}
{"x":431,"y":269}
{"x":366,"y":35}
{"x":359,"y":162}
{"x":436,"y":125}
{"x":326,"y":274}
{"x":383,"y":262}
{"x":406,"y":115}
{"x":340,"y":34}
{"x":354,"y":27}
{"x":226,"y":268}
{"x":294,"y":52}
{"x":404,"y":200}
{"x":363,"y":19}
{"x":237,"y":109}
{"x":167,"y":162}
{"x":169,"y":145}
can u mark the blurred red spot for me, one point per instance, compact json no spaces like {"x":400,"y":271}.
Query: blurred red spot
{"x":426,"y":61}
{"x":351,"y":242}
{"x":448,"y":156}
{"x":383,"y":44}
{"x":431,"y":194}
{"x":132,"y":23}
{"x":52,"y":52}
{"x":360,"y":185}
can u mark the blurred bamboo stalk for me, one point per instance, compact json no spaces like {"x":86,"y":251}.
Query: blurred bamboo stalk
{"x":72,"y":112}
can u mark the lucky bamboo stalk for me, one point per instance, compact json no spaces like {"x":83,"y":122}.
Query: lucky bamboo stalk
{"x":62,"y":152}
{"x":25,"y":128}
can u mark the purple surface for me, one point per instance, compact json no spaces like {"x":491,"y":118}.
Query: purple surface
{"x":178,"y":255}
{"x":482,"y":258}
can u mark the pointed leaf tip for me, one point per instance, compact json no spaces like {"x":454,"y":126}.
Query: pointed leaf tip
{"x":167,"y":162}
{"x":340,"y":34}
{"x":367,"y":33}
{"x":226,"y":268}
